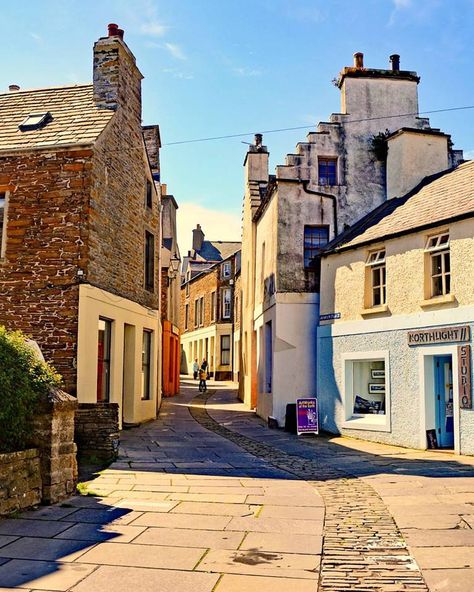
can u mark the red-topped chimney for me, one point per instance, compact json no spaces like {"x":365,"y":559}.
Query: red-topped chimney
{"x":120,"y":33}
{"x":113,"y":30}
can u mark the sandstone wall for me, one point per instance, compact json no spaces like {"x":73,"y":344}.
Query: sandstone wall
{"x":20,"y":480}
{"x":97,"y":430}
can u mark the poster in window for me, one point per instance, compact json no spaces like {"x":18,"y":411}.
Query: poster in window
{"x":364,"y":406}
{"x":376,"y":388}
{"x":376,"y":373}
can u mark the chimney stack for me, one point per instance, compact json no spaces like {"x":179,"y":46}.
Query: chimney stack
{"x":198,"y":238}
{"x":13,"y":88}
{"x":359,"y":60}
{"x":395,"y":61}
{"x":120,"y":33}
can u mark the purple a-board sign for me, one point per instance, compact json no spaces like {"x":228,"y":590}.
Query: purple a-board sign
{"x":307,"y":420}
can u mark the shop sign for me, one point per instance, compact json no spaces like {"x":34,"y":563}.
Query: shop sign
{"x":307,"y":420}
{"x":330,"y":316}
{"x":464,"y":376}
{"x":439,"y":335}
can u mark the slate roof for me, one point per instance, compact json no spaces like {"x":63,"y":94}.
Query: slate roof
{"x":217,"y":250}
{"x":438,"y":199}
{"x":76,"y":119}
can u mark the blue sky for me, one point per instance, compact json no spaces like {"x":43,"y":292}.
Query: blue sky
{"x":216,"y":67}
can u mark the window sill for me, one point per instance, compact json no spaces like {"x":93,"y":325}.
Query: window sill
{"x":438,"y":300}
{"x":366,"y":312}
{"x":371,"y":423}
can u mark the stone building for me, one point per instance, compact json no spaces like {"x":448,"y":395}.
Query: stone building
{"x":207,"y":305}
{"x":333,"y":179}
{"x":397,"y":311}
{"x":80,"y":228}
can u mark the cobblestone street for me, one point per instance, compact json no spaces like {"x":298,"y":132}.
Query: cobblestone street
{"x":207,"y":498}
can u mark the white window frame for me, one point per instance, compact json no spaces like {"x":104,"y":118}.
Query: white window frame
{"x":201,"y":311}
{"x":226,"y":269}
{"x":369,"y":422}
{"x":376,"y":260}
{"x":225,"y":336}
{"x":213,"y":305}
{"x":226,"y":304}
{"x":438,"y":245}
{"x":3,"y":227}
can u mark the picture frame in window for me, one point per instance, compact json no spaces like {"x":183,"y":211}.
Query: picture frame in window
{"x":376,"y":388}
{"x":377,"y":373}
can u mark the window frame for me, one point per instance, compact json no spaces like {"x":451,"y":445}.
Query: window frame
{"x":325,"y":161}
{"x":226,"y":350}
{"x":376,"y":264}
{"x":201,"y":311}
{"x":186,"y":316}
{"x":147,"y":364}
{"x":149,"y":194}
{"x":213,"y":305}
{"x":196,"y":313}
{"x":225,"y":291}
{"x":3,"y":223}
{"x":316,"y":267}
{"x":226,"y":270}
{"x":438,"y":246}
{"x":106,"y":358}
{"x":149,"y":261}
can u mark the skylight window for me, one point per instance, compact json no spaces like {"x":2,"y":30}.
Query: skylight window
{"x":35,"y":121}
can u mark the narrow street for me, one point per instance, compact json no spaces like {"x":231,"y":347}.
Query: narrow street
{"x":207,"y":498}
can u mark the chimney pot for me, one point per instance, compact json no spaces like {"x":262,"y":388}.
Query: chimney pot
{"x":258,"y":140}
{"x":395,"y":61}
{"x":113,"y":30}
{"x":358,"y":60}
{"x":13,"y":87}
{"x":120,"y":33}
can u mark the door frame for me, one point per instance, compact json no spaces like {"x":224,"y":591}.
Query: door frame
{"x":426,"y":360}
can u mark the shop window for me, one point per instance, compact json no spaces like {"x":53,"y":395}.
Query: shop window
{"x":377,"y":278}
{"x":225,"y":350}
{"x":146,"y":363}
{"x":327,"y":171}
{"x":103,"y":360}
{"x":366,"y":391}
{"x":438,"y":265}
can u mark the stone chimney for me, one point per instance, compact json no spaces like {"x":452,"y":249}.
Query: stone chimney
{"x":256,"y":161}
{"x":117,"y":80}
{"x":198,"y":238}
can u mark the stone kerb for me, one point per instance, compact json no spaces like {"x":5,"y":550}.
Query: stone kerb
{"x":20,"y":480}
{"x":53,"y":435}
{"x":97,"y":430}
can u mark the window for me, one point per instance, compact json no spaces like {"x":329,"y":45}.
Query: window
{"x":225,"y":350}
{"x":437,"y":248}
{"x":149,"y":261}
{"x":187,"y":288}
{"x":103,"y":360}
{"x":226,"y":269}
{"x":268,"y":357}
{"x":149,"y":194}
{"x":327,"y":171}
{"x":196,"y":312}
{"x":236,"y":308}
{"x":3,"y":223}
{"x":366,"y":390}
{"x":226,"y":303}
{"x":201,"y":311}
{"x":186,"y":316}
{"x":35,"y":121}
{"x":315,"y":238}
{"x":376,"y":264}
{"x":213,"y":306}
{"x":146,"y":364}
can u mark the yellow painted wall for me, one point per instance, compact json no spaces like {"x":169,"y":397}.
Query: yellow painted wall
{"x":129,"y":321}
{"x":343,"y":274}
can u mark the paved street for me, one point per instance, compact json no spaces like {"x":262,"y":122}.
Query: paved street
{"x":206,"y":498}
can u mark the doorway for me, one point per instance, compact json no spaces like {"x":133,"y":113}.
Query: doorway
{"x":444,"y":408}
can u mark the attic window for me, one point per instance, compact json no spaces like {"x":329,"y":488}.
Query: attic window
{"x":35,"y":121}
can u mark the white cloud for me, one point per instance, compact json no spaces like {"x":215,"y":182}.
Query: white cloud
{"x":178,"y":74}
{"x":154,"y":29}
{"x":400,"y":4}
{"x":36,"y":37}
{"x":175,"y":51}
{"x":468,"y":154}
{"x":243,"y":71}
{"x":215,"y":224}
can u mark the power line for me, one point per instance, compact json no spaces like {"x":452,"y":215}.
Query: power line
{"x":288,"y":129}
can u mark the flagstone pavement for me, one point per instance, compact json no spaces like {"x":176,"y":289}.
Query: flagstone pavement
{"x":208,"y":499}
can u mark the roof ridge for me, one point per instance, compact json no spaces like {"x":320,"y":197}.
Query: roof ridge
{"x":44,"y":88}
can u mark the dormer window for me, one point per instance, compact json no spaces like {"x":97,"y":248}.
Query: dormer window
{"x":35,"y":121}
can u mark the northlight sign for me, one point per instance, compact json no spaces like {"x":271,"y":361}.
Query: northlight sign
{"x":458,"y":334}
